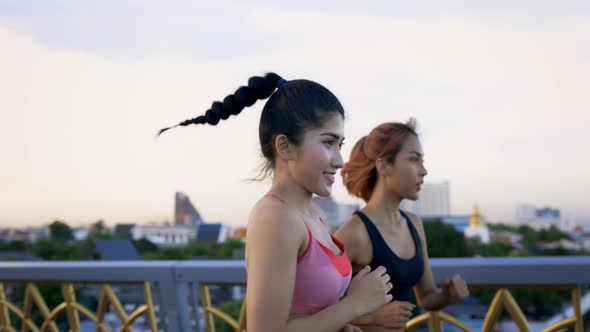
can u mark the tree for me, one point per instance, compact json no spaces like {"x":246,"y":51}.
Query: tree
{"x":553,"y":234}
{"x":167,"y":254}
{"x":231,"y":249}
{"x":53,"y":250}
{"x":497,"y":249}
{"x":60,"y":231}
{"x":49,"y":249}
{"x":144,"y":246}
{"x":232,"y":308}
{"x":99,"y":230}
{"x":444,"y":241}
{"x":197,"y":250}
{"x":16,"y":245}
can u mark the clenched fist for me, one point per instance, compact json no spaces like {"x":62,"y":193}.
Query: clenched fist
{"x":455,"y":289}
{"x":394,"y":315}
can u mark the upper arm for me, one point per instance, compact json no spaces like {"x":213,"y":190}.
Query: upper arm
{"x":273,"y":242}
{"x":426,"y":283}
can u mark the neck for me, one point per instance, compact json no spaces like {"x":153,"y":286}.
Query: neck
{"x":384,"y":205}
{"x":285,"y":186}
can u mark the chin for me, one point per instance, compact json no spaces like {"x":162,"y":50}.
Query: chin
{"x":323,"y":192}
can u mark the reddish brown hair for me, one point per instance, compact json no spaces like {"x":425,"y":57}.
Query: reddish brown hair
{"x":359,"y":174}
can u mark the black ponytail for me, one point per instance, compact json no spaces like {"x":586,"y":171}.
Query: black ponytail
{"x":245,"y":96}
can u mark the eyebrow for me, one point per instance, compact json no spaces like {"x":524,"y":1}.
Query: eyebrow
{"x":333,"y":135}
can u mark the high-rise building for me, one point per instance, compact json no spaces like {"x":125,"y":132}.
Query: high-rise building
{"x":184,"y":212}
{"x":538,"y":217}
{"x":433,"y":201}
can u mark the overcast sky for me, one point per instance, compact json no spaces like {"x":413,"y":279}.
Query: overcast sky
{"x":500,"y":91}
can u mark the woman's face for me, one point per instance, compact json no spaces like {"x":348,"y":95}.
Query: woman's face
{"x":405,"y":175}
{"x":318,"y":157}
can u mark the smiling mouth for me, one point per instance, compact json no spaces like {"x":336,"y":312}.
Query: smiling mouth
{"x":330,"y":176}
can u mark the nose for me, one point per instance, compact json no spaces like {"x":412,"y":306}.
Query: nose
{"x":423,"y":171}
{"x":337,"y":161}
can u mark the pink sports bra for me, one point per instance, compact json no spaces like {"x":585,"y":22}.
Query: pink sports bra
{"x":322,"y":277}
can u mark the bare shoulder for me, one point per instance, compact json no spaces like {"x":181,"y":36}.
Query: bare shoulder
{"x":416,"y":221}
{"x":353,"y":229}
{"x":274,"y":228}
{"x":355,"y":237}
{"x":270,"y":215}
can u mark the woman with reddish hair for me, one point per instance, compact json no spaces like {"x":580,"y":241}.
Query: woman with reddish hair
{"x":386,"y":167}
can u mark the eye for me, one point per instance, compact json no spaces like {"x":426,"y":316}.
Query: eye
{"x":329,"y":143}
{"x":340,"y":145}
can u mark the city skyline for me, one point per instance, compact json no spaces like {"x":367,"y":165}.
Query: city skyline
{"x":497,"y":89}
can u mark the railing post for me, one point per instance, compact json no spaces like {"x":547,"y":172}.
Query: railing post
{"x":196,"y":302}
{"x":4,"y":315}
{"x":576,"y":304}
{"x":174,"y":304}
{"x":434,"y":322}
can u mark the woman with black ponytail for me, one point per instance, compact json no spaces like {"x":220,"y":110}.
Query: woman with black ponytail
{"x":297,"y":271}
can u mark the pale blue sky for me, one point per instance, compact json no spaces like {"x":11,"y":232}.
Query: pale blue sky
{"x":499,"y":90}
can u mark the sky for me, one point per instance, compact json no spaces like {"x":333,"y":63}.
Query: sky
{"x":499,"y":89}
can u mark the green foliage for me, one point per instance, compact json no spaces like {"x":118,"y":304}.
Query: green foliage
{"x":173,"y":254}
{"x":144,"y":246}
{"x":60,"y":231}
{"x":99,"y":230}
{"x":531,"y":236}
{"x":14,"y":246}
{"x":503,"y":228}
{"x":494,"y":249}
{"x":232,"y":308}
{"x":444,"y":241}
{"x":198,"y":250}
{"x":538,"y":302}
{"x":230,"y":249}
{"x":53,"y":250}
{"x":497,"y":249}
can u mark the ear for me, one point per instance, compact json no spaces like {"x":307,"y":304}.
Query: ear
{"x":284,"y":148}
{"x":382,"y":166}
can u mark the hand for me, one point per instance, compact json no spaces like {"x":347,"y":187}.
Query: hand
{"x":369,"y":289}
{"x":455,"y":289}
{"x":394,"y":315}
{"x":351,"y":328}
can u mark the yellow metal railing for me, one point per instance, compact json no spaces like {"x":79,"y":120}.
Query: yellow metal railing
{"x":72,"y":309}
{"x":434,"y":319}
{"x":211,"y":312}
{"x":503,"y":300}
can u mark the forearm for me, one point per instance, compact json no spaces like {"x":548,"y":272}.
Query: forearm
{"x":331,"y":319}
{"x":366,"y":320}
{"x":435,"y":300}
